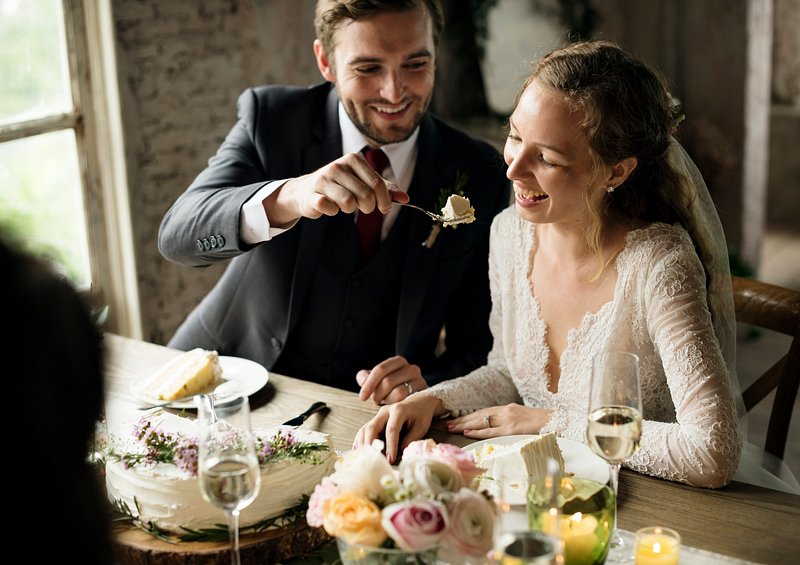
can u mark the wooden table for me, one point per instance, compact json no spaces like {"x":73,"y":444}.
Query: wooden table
{"x":740,"y":520}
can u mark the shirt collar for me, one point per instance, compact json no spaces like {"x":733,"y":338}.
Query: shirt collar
{"x":399,"y":154}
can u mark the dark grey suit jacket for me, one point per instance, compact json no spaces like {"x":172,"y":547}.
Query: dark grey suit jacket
{"x":284,"y":132}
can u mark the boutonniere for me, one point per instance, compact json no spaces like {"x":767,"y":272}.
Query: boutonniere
{"x":445,"y":196}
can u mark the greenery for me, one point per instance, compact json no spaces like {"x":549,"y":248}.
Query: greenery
{"x":121,"y":514}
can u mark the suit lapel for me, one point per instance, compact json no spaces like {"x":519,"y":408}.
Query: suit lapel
{"x":420,"y":261}
{"x":325,"y":146}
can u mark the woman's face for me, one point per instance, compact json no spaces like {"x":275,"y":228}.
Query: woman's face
{"x":548,"y":159}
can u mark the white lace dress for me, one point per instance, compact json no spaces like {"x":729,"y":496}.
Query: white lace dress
{"x":659,"y":312}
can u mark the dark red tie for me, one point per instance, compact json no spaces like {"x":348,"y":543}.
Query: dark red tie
{"x":369,"y":225}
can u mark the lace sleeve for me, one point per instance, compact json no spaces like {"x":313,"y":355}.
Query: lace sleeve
{"x":490,"y":385}
{"x":702,"y":447}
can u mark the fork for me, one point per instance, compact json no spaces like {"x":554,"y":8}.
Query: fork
{"x":438,"y":217}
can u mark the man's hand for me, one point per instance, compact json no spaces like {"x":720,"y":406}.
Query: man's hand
{"x":390,"y":381}
{"x":347,"y":184}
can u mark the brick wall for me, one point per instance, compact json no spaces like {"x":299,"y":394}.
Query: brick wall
{"x":182,"y":65}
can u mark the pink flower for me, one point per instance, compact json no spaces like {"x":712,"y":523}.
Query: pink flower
{"x":415,"y":525}
{"x":323,"y":492}
{"x":462,"y":460}
{"x":471,"y":530}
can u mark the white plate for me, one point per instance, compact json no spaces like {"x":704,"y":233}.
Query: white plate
{"x":250,"y":375}
{"x":579,"y":460}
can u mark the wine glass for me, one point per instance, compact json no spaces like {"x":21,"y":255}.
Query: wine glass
{"x":228,"y":469}
{"x":615,"y":425}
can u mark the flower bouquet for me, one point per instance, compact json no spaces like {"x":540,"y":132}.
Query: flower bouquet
{"x":427,"y":506}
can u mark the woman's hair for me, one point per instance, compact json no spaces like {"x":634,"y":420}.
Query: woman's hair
{"x":626,"y":112}
{"x":331,"y":14}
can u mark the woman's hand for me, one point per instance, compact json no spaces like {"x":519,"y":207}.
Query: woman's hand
{"x":412,"y":417}
{"x":511,"y":419}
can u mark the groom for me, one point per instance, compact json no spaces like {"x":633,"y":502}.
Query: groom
{"x":289,"y":192}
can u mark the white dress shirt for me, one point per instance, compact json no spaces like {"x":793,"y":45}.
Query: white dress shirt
{"x":253,"y":223}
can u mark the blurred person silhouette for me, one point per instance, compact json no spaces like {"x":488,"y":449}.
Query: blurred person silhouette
{"x":56,"y":397}
{"x":311,"y":290}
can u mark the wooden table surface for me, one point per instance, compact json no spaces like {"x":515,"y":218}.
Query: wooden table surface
{"x":740,"y":520}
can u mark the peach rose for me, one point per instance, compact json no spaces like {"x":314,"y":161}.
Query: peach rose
{"x":355,"y":519}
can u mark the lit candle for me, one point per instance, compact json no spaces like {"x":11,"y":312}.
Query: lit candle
{"x":657,"y":546}
{"x":580,"y":538}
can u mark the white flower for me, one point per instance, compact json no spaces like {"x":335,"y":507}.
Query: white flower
{"x":360,"y":471}
{"x":430,"y":477}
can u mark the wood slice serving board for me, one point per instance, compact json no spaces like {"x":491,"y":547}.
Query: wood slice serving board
{"x":135,"y":547}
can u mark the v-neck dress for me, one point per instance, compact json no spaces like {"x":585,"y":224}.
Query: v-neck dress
{"x":659,"y":311}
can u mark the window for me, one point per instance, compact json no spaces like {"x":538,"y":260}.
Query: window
{"x":63,"y":192}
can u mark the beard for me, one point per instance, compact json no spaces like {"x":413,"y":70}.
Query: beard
{"x":392,"y":133}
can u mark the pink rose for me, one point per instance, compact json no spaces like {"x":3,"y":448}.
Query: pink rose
{"x":419,"y":449}
{"x":471,"y":531}
{"x":415,"y":525}
{"x":462,"y":460}
{"x":323,"y":492}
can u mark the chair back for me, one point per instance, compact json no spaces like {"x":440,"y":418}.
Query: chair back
{"x":778,"y":309}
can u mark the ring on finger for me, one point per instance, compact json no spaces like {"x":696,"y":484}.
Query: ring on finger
{"x":488,"y":420}
{"x":409,"y":388}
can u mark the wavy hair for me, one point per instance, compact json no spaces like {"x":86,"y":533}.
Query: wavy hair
{"x":329,"y":15}
{"x":626,"y":111}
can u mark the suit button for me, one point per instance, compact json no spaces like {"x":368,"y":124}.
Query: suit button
{"x":349,"y":324}
{"x":206,"y":244}
{"x":199,"y":245}
{"x":213,"y":242}
{"x":220,"y":241}
{"x":357,"y":282}
{"x":276,"y":343}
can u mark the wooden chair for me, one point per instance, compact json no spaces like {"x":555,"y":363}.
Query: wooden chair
{"x":778,"y":309}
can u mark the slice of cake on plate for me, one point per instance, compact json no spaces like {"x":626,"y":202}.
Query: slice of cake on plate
{"x":191,"y":372}
{"x":151,"y":470}
{"x":511,"y":467}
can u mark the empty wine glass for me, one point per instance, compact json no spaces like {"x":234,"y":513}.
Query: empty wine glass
{"x":228,"y":469}
{"x":615,"y":425}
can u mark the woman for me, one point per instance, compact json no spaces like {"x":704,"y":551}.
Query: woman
{"x":613,"y":243}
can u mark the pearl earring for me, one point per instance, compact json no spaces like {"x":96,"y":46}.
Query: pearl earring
{"x":610,"y":188}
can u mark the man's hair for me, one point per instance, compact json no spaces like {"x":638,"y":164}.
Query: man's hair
{"x":331,"y":14}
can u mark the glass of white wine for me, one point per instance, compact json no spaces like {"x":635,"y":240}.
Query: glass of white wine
{"x":228,"y":468}
{"x":615,"y":425}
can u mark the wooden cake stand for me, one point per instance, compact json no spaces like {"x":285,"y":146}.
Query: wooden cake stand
{"x":135,"y":547}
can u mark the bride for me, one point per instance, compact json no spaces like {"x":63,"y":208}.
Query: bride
{"x":613,"y":243}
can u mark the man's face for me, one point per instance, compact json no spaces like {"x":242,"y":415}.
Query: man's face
{"x":383,"y":68}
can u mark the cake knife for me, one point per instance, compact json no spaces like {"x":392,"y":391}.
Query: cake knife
{"x":300,"y":418}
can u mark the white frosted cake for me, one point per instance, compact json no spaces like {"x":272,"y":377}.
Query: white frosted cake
{"x":511,"y":467}
{"x":152,"y":469}
{"x":457,"y":210}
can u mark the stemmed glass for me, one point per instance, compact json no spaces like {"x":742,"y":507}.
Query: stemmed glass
{"x":227,"y":462}
{"x":615,"y":426}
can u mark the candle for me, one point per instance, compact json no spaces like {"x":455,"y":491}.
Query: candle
{"x":657,"y":546}
{"x":580,"y":538}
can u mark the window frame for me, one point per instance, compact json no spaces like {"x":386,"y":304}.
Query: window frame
{"x":96,"y":120}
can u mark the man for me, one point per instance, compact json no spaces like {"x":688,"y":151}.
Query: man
{"x":305,"y":294}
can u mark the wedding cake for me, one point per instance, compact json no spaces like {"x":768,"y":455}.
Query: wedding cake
{"x":151,"y":471}
{"x":511,"y":467}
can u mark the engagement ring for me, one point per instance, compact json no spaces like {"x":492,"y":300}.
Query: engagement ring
{"x":409,"y":388}
{"x":488,"y":420}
